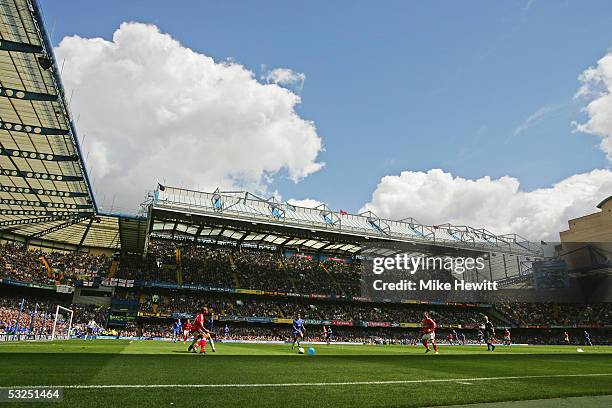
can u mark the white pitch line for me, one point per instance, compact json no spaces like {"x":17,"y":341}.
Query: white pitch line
{"x":314,"y":384}
{"x":464,"y":383}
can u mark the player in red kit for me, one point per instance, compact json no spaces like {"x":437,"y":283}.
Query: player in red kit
{"x":507,"y":340}
{"x":428,"y":331}
{"x":200,"y":332}
{"x":186,"y":330}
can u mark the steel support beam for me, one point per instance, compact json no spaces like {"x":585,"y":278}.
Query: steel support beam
{"x":38,"y":155}
{"x":40,"y":191}
{"x":39,"y":176}
{"x":40,"y":213}
{"x":38,"y":220}
{"x":26,"y":95}
{"x":6,"y":45}
{"x":91,"y":220}
{"x":198,"y":232}
{"x":61,"y":226}
{"x":38,"y":130}
{"x":44,"y":204}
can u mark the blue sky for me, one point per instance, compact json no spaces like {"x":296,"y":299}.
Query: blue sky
{"x":402,"y":85}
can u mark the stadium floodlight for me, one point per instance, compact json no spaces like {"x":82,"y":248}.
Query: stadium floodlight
{"x":57,"y":310}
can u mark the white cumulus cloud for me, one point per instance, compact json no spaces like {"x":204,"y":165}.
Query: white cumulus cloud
{"x":286,"y":77}
{"x":150,"y":108}
{"x":436,"y":197}
{"x":597,"y":88}
{"x":306,"y":202}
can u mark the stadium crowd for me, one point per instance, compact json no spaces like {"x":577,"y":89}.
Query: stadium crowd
{"x":561,"y":314}
{"x":26,"y":265}
{"x":226,"y":266}
{"x":522,"y":314}
{"x":319,"y":310}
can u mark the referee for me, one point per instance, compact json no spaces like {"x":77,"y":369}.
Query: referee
{"x":489,"y":333}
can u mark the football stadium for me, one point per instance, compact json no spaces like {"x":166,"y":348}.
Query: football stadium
{"x":228,"y":298}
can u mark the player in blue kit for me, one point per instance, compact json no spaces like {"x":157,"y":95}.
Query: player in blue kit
{"x":587,"y":339}
{"x":298,"y":331}
{"x":177,"y":327}
{"x":210,"y":324}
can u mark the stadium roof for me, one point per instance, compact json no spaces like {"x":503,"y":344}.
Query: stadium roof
{"x":245,"y":217}
{"x":45,"y":193}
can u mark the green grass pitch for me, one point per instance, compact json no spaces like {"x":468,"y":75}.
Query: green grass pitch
{"x":108,"y":373}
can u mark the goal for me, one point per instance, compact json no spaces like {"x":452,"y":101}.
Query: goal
{"x":62,"y":324}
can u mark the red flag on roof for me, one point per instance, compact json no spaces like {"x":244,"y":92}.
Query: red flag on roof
{"x":342,"y":212}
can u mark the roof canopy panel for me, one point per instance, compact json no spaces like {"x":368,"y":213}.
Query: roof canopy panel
{"x":41,"y":171}
{"x":45,"y":193}
{"x":318,"y":228}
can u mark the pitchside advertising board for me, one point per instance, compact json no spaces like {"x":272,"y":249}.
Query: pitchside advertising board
{"x":397,"y":272}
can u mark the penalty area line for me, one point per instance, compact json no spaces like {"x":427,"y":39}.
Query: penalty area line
{"x":312,"y":384}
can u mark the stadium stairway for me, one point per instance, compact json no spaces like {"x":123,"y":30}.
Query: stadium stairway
{"x":179,"y":276}
{"x":281,"y":313}
{"x":333,"y":280}
{"x":288,"y":275}
{"x":179,"y":266}
{"x":113,"y":269}
{"x":233,"y":274}
{"x":496,"y":314}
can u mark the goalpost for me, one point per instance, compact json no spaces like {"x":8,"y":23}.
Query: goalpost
{"x":57,"y":314}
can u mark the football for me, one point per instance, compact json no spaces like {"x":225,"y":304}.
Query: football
{"x":301,"y":350}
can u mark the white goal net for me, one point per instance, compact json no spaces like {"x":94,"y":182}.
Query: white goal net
{"x":62,"y":323}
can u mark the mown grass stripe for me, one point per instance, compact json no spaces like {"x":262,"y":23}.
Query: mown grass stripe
{"x":309,"y":384}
